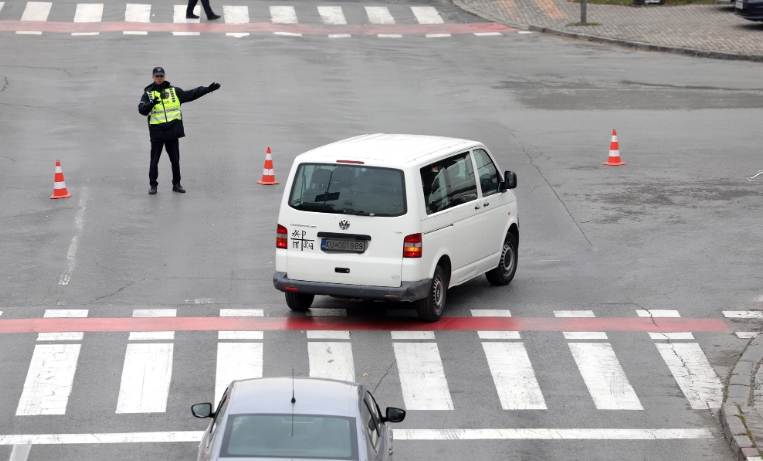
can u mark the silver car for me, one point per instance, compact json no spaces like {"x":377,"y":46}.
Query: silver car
{"x":296,"y":418}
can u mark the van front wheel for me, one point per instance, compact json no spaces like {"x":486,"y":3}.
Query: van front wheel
{"x":298,"y":301}
{"x":430,"y":308}
{"x":507,"y":266}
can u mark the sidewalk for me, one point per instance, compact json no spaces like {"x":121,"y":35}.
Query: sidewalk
{"x":741,"y":412}
{"x":703,"y":30}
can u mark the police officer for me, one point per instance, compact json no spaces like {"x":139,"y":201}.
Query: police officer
{"x":161,"y":104}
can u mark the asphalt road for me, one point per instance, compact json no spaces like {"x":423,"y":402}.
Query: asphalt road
{"x":676,"y":228}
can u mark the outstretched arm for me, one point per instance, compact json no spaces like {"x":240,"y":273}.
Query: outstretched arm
{"x":196,"y":93}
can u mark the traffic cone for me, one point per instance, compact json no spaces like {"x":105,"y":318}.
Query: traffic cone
{"x":59,"y":186}
{"x":268,"y":176}
{"x":614,"y":152}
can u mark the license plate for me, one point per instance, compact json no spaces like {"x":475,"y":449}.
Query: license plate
{"x":355,"y":246}
{"x":739,"y":5}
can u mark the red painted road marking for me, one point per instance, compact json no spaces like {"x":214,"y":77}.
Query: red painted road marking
{"x":356,"y":323}
{"x":254,"y":27}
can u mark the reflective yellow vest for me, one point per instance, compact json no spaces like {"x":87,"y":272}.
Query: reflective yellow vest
{"x":167,"y":110}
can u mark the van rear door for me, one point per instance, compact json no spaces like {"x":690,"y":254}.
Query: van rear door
{"x":343,"y":223}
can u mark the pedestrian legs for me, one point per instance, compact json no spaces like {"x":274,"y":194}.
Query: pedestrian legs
{"x":205,"y":3}
{"x":173,"y":152}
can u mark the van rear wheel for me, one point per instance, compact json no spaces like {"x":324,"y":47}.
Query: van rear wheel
{"x":430,"y":308}
{"x":507,"y":266}
{"x":298,"y":301}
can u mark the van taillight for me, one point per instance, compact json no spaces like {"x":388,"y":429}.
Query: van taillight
{"x":412,"y":246}
{"x":282,"y":237}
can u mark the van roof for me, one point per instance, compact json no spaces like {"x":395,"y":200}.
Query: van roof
{"x":384,"y":148}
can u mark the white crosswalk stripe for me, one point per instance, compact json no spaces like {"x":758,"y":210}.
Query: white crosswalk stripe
{"x":693,"y":373}
{"x":35,"y":11}
{"x":236,"y":15}
{"x":330,"y":359}
{"x":604,"y":377}
{"x":379,"y":15}
{"x":513,"y":376}
{"x":238,"y":360}
{"x":426,"y":15}
{"x":49,"y":380}
{"x":332,"y":15}
{"x":283,"y":15}
{"x":137,"y":13}
{"x":88,"y":12}
{"x":146,"y":377}
{"x":422,"y":377}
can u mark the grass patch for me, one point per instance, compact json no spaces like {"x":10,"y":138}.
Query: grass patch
{"x":667,"y":2}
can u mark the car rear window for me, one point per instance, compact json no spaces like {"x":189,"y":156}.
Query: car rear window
{"x":348,"y":189}
{"x":290,"y":436}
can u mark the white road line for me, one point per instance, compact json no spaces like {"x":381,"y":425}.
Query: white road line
{"x":241,"y":313}
{"x":1,"y":5}
{"x":179,"y":18}
{"x":49,"y":380}
{"x":239,"y":335}
{"x":693,"y":373}
{"x":154,"y":313}
{"x":487,"y":34}
{"x":574,"y":314}
{"x":236,"y":361}
{"x":150,"y":335}
{"x":743,"y":314}
{"x":236,"y":15}
{"x":327,"y":334}
{"x":422,"y":377}
{"x":146,"y":378}
{"x":287,"y":34}
{"x":322,"y":312}
{"x":331,"y":360}
{"x":88,"y":12}
{"x":379,"y":15}
{"x":340,"y":36}
{"x":551,"y":434}
{"x":64,"y":336}
{"x":20,"y":452}
{"x":604,"y":377}
{"x":513,"y":376}
{"x":436,"y":35}
{"x":498,"y":334}
{"x":426,"y":15}
{"x":417,"y":335}
{"x":332,"y":15}
{"x":79,"y":218}
{"x":283,"y":15}
{"x":114,"y":437}
{"x":677,"y":335}
{"x":657,"y":313}
{"x":400,"y":434}
{"x":491,"y":313}
{"x":64,"y":313}
{"x":137,"y":13}
{"x":523,"y":32}
{"x":583,"y":335}
{"x":746,"y":334}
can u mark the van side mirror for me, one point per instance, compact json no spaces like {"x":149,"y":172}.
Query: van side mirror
{"x":509,"y":181}
{"x":395,"y":415}
{"x":202,"y":410}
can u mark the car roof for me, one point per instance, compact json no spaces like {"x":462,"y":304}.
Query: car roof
{"x":384,"y":148}
{"x":314,"y":396}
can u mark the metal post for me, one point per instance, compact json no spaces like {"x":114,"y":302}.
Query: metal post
{"x":582,"y":11}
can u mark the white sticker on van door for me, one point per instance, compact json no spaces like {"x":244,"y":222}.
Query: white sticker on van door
{"x":299,"y":242}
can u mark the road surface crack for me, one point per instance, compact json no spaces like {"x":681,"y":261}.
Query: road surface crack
{"x":384,"y":375}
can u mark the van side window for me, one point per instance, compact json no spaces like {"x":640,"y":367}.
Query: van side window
{"x":490,"y":180}
{"x":448,"y":183}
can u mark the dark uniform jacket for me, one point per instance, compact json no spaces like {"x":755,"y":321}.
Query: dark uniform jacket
{"x":173,"y":129}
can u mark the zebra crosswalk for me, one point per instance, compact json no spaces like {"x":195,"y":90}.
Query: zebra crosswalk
{"x":83,"y":19}
{"x":149,"y":364}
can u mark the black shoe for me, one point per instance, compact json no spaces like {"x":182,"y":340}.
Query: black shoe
{"x":191,"y":16}
{"x":213,"y":16}
{"x":152,"y":191}
{"x":178,"y":188}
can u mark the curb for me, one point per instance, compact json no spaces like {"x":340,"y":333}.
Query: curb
{"x":614,"y":41}
{"x":740,"y":420}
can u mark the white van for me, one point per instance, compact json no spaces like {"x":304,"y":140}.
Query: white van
{"x":395,"y":217}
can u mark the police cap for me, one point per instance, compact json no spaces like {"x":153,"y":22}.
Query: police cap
{"x":158,"y":71}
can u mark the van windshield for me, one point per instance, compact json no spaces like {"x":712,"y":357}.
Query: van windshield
{"x":348,"y":189}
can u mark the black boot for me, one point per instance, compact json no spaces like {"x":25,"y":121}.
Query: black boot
{"x":152,"y":191}
{"x":213,"y":16}
{"x":178,"y":188}
{"x":191,"y":16}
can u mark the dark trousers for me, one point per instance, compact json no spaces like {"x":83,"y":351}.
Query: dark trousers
{"x":205,"y":3}
{"x":173,"y":152}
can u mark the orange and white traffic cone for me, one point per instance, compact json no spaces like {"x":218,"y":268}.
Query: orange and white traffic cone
{"x":614,"y":152}
{"x":59,"y":186}
{"x":268,"y":176}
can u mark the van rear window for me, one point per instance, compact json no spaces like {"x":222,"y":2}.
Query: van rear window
{"x":348,"y":189}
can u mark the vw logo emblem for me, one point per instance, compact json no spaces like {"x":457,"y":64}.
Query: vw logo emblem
{"x":344,"y":224}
